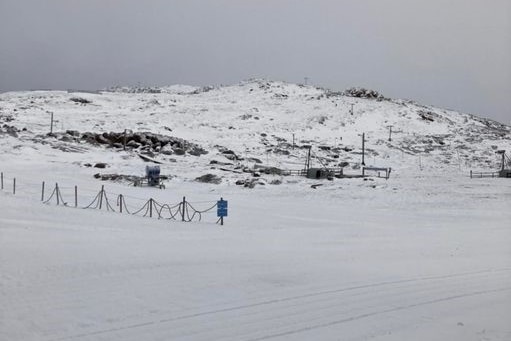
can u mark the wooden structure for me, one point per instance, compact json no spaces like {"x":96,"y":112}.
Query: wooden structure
{"x":378,"y":170}
{"x":502,"y":173}
{"x":319,"y":173}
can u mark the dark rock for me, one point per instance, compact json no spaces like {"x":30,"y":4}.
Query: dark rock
{"x":73,"y":133}
{"x":133,"y":144}
{"x":80,"y":100}
{"x":281,"y":151}
{"x":231,"y":157}
{"x":100,"y":165}
{"x":102,"y":140}
{"x":228,"y":152}
{"x":253,"y":159}
{"x":197,"y":151}
{"x":215,"y":162}
{"x":209,"y":178}
{"x":179,"y":151}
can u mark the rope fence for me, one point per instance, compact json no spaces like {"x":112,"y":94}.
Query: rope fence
{"x":184,"y":210}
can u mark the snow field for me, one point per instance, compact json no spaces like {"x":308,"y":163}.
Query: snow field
{"x":286,"y":267}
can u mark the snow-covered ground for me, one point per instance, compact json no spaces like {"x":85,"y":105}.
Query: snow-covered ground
{"x":425,"y":255}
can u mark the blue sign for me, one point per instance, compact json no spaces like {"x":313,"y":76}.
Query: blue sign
{"x":221,"y":212}
{"x":221,"y":208}
{"x":221,"y":204}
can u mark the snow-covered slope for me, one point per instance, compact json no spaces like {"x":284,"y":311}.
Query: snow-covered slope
{"x":256,"y":119}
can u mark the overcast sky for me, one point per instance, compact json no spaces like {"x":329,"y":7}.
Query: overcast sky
{"x":450,"y":53}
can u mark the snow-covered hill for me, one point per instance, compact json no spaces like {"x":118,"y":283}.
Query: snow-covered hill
{"x":254,"y":121}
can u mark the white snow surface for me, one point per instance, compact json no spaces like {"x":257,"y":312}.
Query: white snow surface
{"x":424,"y":255}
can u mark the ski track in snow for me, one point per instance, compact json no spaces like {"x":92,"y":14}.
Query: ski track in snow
{"x":308,"y":308}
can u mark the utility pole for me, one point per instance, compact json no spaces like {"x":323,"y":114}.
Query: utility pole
{"x":51,"y":124}
{"x":308,"y":161}
{"x":503,"y":164}
{"x":363,"y":149}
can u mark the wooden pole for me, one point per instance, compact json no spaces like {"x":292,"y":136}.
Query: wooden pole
{"x":183,"y":211}
{"x":2,"y":179}
{"x":57,"y":192}
{"x":14,"y":186}
{"x":124,"y":139}
{"x":151,"y":208}
{"x":51,"y":124}
{"x":363,"y":149}
{"x":222,"y":217}
{"x":101,"y":196}
{"x":120,"y":203}
{"x":42,"y":192}
{"x":76,"y":196}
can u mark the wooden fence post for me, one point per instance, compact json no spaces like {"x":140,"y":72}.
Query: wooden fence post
{"x":42,"y":192}
{"x":2,"y":180}
{"x":183,"y":210}
{"x":76,"y":196}
{"x":57,"y":192}
{"x":101,"y":196}
{"x":14,"y":186}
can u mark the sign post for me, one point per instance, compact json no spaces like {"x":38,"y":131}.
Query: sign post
{"x":221,"y":209}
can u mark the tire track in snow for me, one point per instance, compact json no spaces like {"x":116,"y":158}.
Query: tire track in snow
{"x":374,"y":313}
{"x":309,"y":295}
